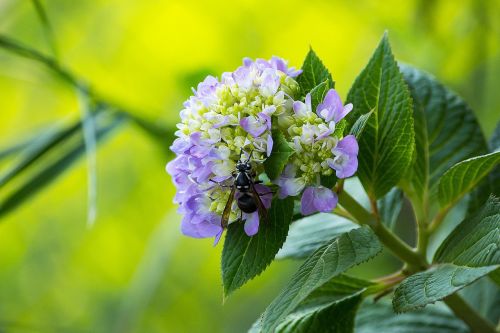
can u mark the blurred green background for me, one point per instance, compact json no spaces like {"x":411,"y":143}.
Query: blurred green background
{"x":133,"y":271}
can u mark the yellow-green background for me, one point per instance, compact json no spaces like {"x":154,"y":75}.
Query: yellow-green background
{"x":133,"y":271}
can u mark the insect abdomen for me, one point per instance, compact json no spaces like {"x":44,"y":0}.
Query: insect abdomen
{"x":247,"y":203}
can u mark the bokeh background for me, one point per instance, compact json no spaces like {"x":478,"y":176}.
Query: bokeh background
{"x":132,"y":271}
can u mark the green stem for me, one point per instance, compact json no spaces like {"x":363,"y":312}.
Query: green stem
{"x":355,"y":209}
{"x":462,"y":310}
{"x":438,"y":219}
{"x":423,"y":235}
{"x":398,"y":247}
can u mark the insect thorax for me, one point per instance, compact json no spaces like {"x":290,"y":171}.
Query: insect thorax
{"x":242,"y":181}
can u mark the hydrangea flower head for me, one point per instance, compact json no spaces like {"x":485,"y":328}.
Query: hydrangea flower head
{"x":235,"y":118}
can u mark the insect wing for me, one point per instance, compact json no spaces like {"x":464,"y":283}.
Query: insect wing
{"x":227,"y":209}
{"x":260,"y":206}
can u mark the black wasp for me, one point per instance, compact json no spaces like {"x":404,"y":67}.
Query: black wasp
{"x":249,"y":199}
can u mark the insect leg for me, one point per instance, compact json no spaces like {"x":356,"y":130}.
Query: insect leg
{"x":221,"y":185}
{"x":249,"y":156}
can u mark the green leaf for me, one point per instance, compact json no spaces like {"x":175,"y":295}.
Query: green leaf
{"x":380,"y":318}
{"x":280,"y":154}
{"x":329,"y":261}
{"x":476,"y":240}
{"x":66,"y":158}
{"x":318,"y":93}
{"x":388,"y":140}
{"x":245,"y":257}
{"x":338,"y":298}
{"x":340,"y":128}
{"x":446,"y":130}
{"x":360,"y":124}
{"x":313,"y":73}
{"x":463,"y":176}
{"x":495,"y":277}
{"x":310,"y":233}
{"x":435,"y":284}
{"x":390,"y":206}
{"x":471,"y":251}
{"x":489,"y":185}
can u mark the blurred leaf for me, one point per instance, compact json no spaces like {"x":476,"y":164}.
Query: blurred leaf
{"x":310,"y":233}
{"x":49,"y":173}
{"x":38,"y":148}
{"x":275,"y":163}
{"x":89,"y":139}
{"x":358,"y":127}
{"x":463,"y":176}
{"x":446,"y":129}
{"x":471,"y":251}
{"x":18,"y":48}
{"x":329,"y":261}
{"x":149,"y":274}
{"x":484,"y":296}
{"x":245,"y":257}
{"x":389,"y":207}
{"x":161,"y":134}
{"x":380,"y":318}
{"x":337,"y":299}
{"x":313,"y":73}
{"x":47,"y":28}
{"x":6,"y":152}
{"x":387,"y":143}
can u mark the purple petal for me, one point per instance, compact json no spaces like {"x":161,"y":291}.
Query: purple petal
{"x":300,"y":109}
{"x":331,"y":108}
{"x":201,"y":229}
{"x":318,"y":199}
{"x":279,"y":64}
{"x":270,"y":82}
{"x":251,"y":223}
{"x":180,"y":146}
{"x":269,"y":145}
{"x":290,"y":187}
{"x":218,"y":236}
{"x":307,"y":201}
{"x":199,"y":151}
{"x":247,"y":62}
{"x":242,"y":77}
{"x":348,"y":145}
{"x":325,"y":199}
{"x":265,"y":119}
{"x":294,"y":73}
{"x":344,"y":165}
{"x":308,"y":101}
{"x":253,"y":126}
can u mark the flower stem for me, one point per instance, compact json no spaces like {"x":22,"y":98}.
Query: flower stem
{"x":398,"y":247}
{"x":462,"y":310}
{"x":421,"y":217}
{"x":354,"y":208}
